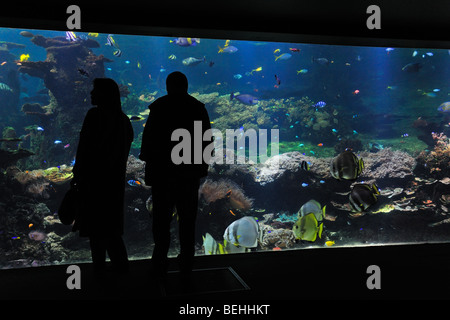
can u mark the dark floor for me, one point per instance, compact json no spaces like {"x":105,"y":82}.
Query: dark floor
{"x":406,"y":272}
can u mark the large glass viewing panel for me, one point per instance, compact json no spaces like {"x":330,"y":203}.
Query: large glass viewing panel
{"x":357,"y":142}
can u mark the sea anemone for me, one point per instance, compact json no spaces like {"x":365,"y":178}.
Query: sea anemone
{"x":225,"y":189}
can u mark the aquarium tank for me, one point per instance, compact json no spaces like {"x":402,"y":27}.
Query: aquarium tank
{"x":357,"y":141}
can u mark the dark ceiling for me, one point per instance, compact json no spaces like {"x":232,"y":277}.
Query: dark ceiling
{"x":407,"y":19}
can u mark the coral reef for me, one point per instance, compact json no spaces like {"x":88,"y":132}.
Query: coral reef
{"x":437,"y":161}
{"x":295,"y":117}
{"x":281,"y":238}
{"x":9,"y":82}
{"x":67,"y":73}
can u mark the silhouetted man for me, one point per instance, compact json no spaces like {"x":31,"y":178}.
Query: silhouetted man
{"x":175,"y":184}
{"x":99,"y":174}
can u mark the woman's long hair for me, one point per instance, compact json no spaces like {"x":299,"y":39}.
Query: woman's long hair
{"x":109,"y":93}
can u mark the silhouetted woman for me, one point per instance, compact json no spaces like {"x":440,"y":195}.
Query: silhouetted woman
{"x":99,"y":173}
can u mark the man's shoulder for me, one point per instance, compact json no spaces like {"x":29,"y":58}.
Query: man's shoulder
{"x":168,"y":100}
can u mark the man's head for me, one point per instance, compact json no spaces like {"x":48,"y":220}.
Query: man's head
{"x":176,"y":83}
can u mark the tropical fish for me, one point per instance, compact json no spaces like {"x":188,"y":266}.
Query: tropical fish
{"x":312,"y":206}
{"x":211,"y":246}
{"x":412,"y":67}
{"x":346,"y":166}
{"x":245,"y":99}
{"x":117,"y":53}
{"x":363,"y":196}
{"x":304,"y":165}
{"x":322,"y":61}
{"x":134,"y":183}
{"x":277,"y":79}
{"x":136,"y":118}
{"x":307,"y":228}
{"x":83,"y":72}
{"x":93,"y":34}
{"x":294,"y":49}
{"x":389,"y":50}
{"x":172,"y":57}
{"x":414,"y":53}
{"x":320,"y":144}
{"x":304,"y":184}
{"x":329,"y":243}
{"x":71,"y":36}
{"x":228,"y":49}
{"x":320,"y":104}
{"x":237,"y":76}
{"x":302,"y":71}
{"x":283,"y":56}
{"x":24,"y":57}
{"x":257,"y":70}
{"x":444,"y":107}
{"x":57,"y":142}
{"x":243,"y":233}
{"x":191,"y":61}
{"x":40,"y":129}
{"x":276,"y":51}
{"x":186,"y":42}
{"x":111,"y":42}
{"x":139,"y":65}
{"x":26,"y":34}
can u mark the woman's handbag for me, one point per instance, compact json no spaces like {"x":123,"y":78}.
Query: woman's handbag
{"x":70,"y":206}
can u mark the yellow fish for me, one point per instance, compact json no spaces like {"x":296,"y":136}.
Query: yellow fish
{"x":308,"y":228}
{"x":24,"y":57}
{"x":276,"y":51}
{"x":257,"y":70}
{"x":139,"y":65}
{"x":227,"y":43}
{"x":329,"y":243}
{"x":93,"y":34}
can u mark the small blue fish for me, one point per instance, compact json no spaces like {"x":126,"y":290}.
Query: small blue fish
{"x":304,"y":184}
{"x":301,"y":145}
{"x":312,"y":152}
{"x":355,"y":132}
{"x":320,"y":104}
{"x":134,"y":183}
{"x":322,"y":181}
{"x":237,"y":76}
{"x":334,"y":130}
{"x":40,"y":129}
{"x":57,"y":142}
